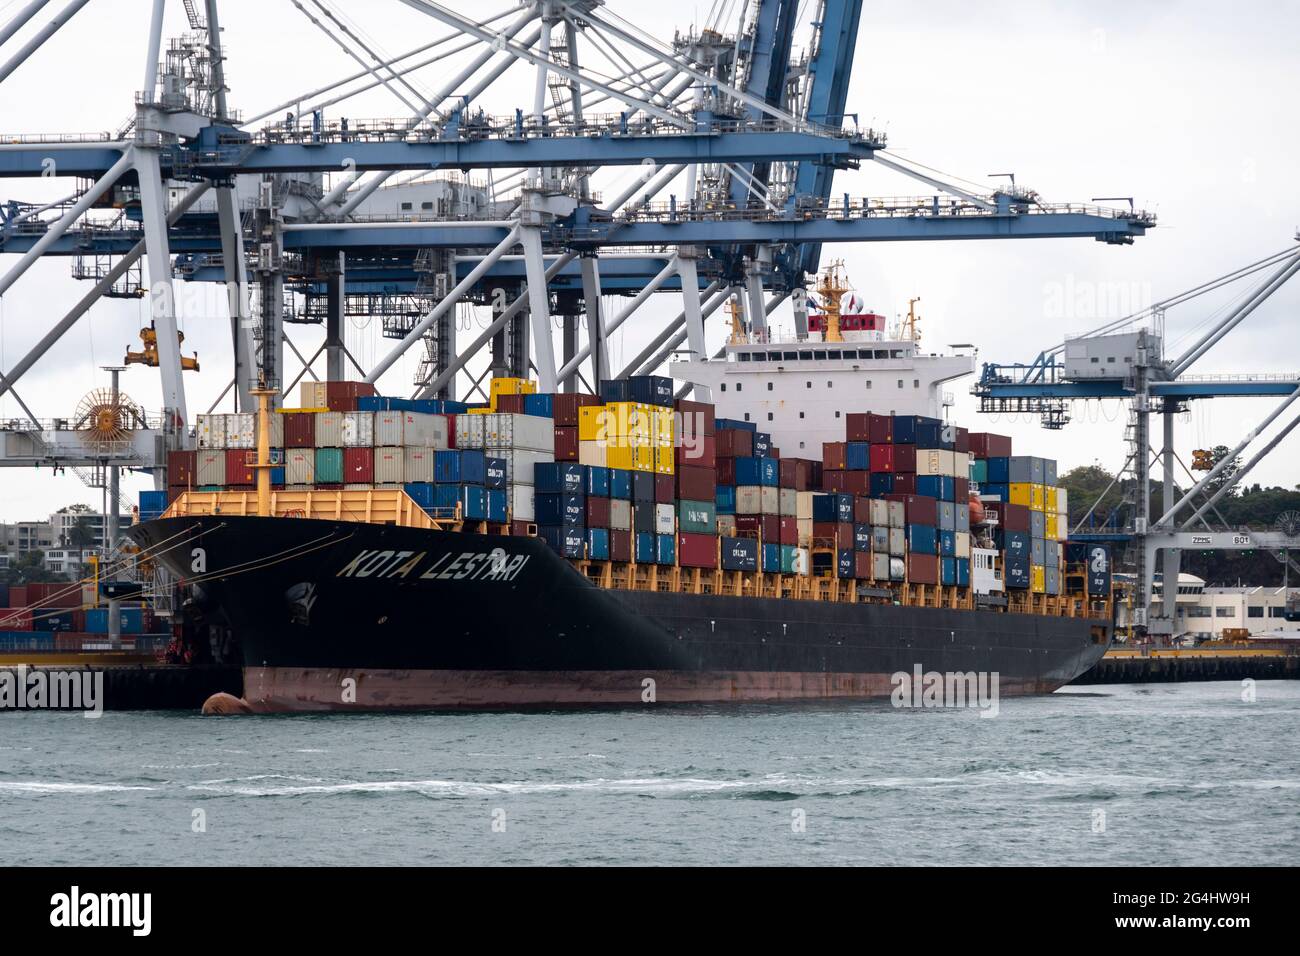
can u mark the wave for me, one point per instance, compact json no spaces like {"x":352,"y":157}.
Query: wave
{"x":45,"y":786}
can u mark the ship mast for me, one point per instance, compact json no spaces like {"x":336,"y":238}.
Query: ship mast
{"x":908,"y":331}
{"x":831,"y":286}
{"x":737,"y":322}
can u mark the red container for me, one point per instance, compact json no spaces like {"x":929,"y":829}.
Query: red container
{"x":58,"y":594}
{"x":904,"y":484}
{"x":523,"y":529}
{"x":694,"y":418}
{"x":565,"y":407}
{"x":16,"y":618}
{"x":904,"y":458}
{"x":796,"y":473}
{"x":962,"y":440}
{"x":918,"y":509}
{"x":961,"y":490}
{"x":862,"y":510}
{"x":726,"y":470}
{"x":856,"y":482}
{"x":858,"y":426}
{"x":880,"y":429}
{"x":862,"y":565}
{"x":239,"y":473}
{"x":181,"y":468}
{"x":836,"y":480}
{"x":620,"y":546}
{"x":696,"y":484}
{"x":566,"y":443}
{"x":815,"y":480}
{"x":665,"y":486}
{"x":841,"y":532}
{"x":769,"y":526}
{"x":789,"y":532}
{"x":882,"y":458}
{"x":597,"y":512}
{"x":358,"y":466}
{"x":922,"y":569}
{"x":513,"y":404}
{"x":451,"y":431}
{"x":1013,"y":517}
{"x":175,"y":491}
{"x":18,"y":595}
{"x":734,"y":443}
{"x":700,"y":450}
{"x":833,"y":455}
{"x":697,"y":550}
{"x":299,"y":429}
{"x":988,"y":445}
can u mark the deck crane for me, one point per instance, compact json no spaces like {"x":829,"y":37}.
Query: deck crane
{"x":1126,"y":359}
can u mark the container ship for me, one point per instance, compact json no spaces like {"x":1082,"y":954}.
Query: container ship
{"x":575,"y":549}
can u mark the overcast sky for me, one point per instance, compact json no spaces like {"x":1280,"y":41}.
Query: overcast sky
{"x":1184,"y":106}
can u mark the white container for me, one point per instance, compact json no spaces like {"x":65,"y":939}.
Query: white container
{"x":1062,"y":502}
{"x":771,"y":499}
{"x":387,"y":428}
{"x":620,"y":514}
{"x":592,"y":453}
{"x":300,"y":466}
{"x":471,"y":432}
{"x":521,"y":501}
{"x":524,"y":432}
{"x":210,"y":431}
{"x":210,"y":467}
{"x":312,"y":395}
{"x":749,"y":500}
{"x":727,"y":526}
{"x":880,"y":566}
{"x":929,"y":461}
{"x":520,"y":463}
{"x":897,"y":541}
{"x":962,"y":547}
{"x":804,"y":505}
{"x":358,"y":429}
{"x":801,"y":560}
{"x":665,"y":520}
{"x":789,"y":502}
{"x":879,"y":509}
{"x":390,"y":465}
{"x":896,"y":514}
{"x":960,"y":464}
{"x":329,"y":429}
{"x":424,"y":430}
{"x":805,"y":526}
{"x":277,"y":430}
{"x":417,"y":464}
{"x":241,"y":430}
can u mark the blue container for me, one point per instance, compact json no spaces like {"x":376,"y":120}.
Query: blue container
{"x":1014,"y":543}
{"x":837,"y":507}
{"x":905,"y":427}
{"x":615,"y":390}
{"x":862,"y":537}
{"x":735,"y":423}
{"x":651,"y":389}
{"x":494,"y":473}
{"x":922,"y":539}
{"x":762,"y":444}
{"x":598,"y":544}
{"x":1015,"y":571}
{"x":540,"y":405}
{"x":645,"y":547}
{"x":1001,"y":492}
{"x":473,"y":502}
{"x":948,"y":571}
{"x":963,"y":572}
{"x":460,"y":467}
{"x":559,"y":477}
{"x":882,"y":483}
{"x":597,"y":481}
{"x":948,"y":543}
{"x":152,"y":504}
{"x":739,"y":554}
{"x":665,"y":549}
{"x":496,"y":505}
{"x":857,"y":456}
{"x":277,"y":475}
{"x":620,"y":484}
{"x":846,"y":563}
{"x":725,"y":497}
{"x":772,"y":558}
{"x":758,"y":471}
{"x":788,"y":552}
{"x":928,"y":435}
{"x":999,"y":470}
{"x":421,"y":493}
{"x":446,"y":496}
{"x":131,"y":619}
{"x":569,"y":541}
{"x":929,"y":485}
{"x":553,"y":509}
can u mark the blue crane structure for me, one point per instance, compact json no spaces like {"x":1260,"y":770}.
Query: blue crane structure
{"x":734,"y":131}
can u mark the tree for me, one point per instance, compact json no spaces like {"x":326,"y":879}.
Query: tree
{"x":28,"y":569}
{"x":1218,"y":454}
{"x":81,"y":534}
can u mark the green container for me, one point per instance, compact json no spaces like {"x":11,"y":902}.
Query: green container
{"x":697,"y":517}
{"x":210,"y":488}
{"x":329,"y":466}
{"x":787,"y":558}
{"x":979,"y":470}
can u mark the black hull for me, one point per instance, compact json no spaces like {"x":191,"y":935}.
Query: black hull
{"x":340,"y":615}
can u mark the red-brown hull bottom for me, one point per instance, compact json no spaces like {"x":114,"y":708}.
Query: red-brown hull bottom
{"x":287,"y":689}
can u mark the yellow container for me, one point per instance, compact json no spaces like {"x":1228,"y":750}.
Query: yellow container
{"x":631,"y":419}
{"x":664,"y":464}
{"x":1022,"y":493}
{"x":643,"y":458}
{"x":511,"y":386}
{"x":591,"y":423}
{"x":1051,"y":529}
{"x":665,"y":432}
{"x":1036,"y":498}
{"x":1038,"y":578}
{"x":630,"y":457}
{"x":479,"y":411}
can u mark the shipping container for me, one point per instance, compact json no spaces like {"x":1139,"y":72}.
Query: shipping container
{"x":697,"y":550}
{"x":299,"y":429}
{"x":696,"y":517}
{"x":568,"y":541}
{"x":418,"y":464}
{"x":520,"y":464}
{"x":597,"y":511}
{"x":620,"y":514}
{"x":645,"y":547}
{"x":922,"y":569}
{"x":739,"y":554}
{"x":210,"y":431}
{"x":987,"y":445}
{"x":300,"y":466}
{"x":421,"y":492}
{"x":620,"y":483}
{"x":522,"y":503}
{"x":358,"y":429}
{"x":564,"y":407}
{"x":210,"y":467}
{"x":598,"y":543}
{"x":898,"y":541}
{"x":329,"y":430}
{"x":665,"y":549}
{"x":559,"y":509}
{"x":329,"y":462}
